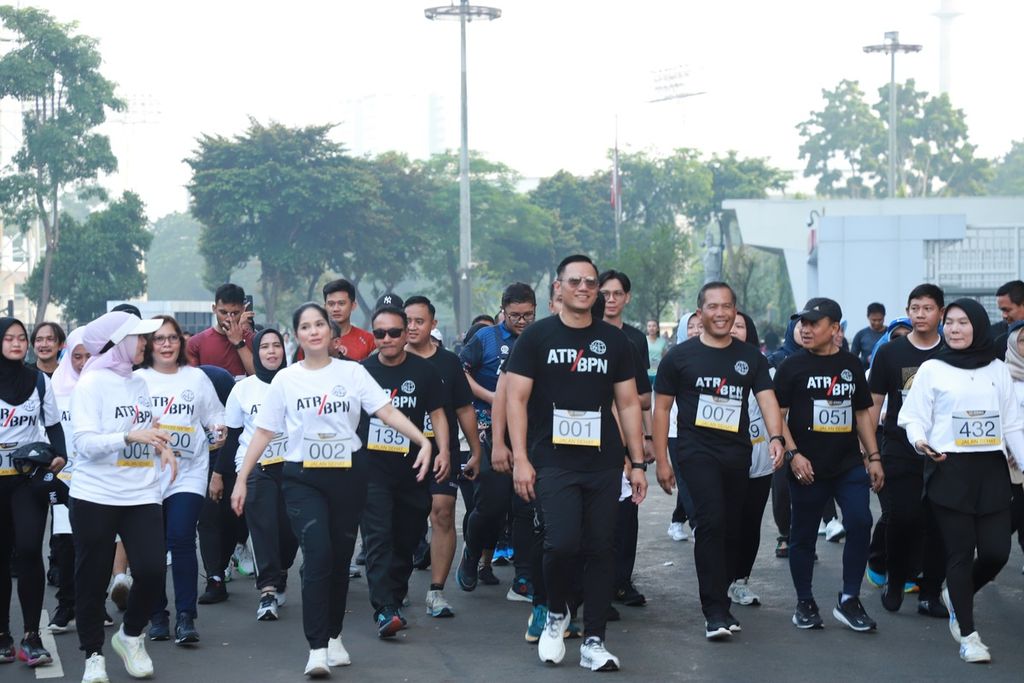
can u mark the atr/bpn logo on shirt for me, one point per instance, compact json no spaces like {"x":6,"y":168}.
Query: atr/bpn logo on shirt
{"x":578,"y":361}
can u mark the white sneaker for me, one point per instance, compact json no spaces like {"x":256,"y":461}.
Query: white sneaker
{"x":437,"y":606}
{"x":243,"y":559}
{"x":835,"y":531}
{"x":167,"y":559}
{"x":316,"y":665}
{"x":593,"y":656}
{"x":677,"y":531}
{"x":821,"y":528}
{"x":95,"y":670}
{"x":551,"y":646}
{"x":954,"y":625}
{"x":119,"y":591}
{"x":267,"y":609}
{"x":740,"y":593}
{"x":337,"y":655}
{"x":133,"y":653}
{"x":973,"y":650}
{"x":281,"y":598}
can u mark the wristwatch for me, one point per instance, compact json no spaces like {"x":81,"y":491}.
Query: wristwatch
{"x":638,"y":466}
{"x":788,"y":456}
{"x":240,"y":345}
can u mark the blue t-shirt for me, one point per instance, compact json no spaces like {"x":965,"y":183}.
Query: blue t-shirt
{"x":484,"y":355}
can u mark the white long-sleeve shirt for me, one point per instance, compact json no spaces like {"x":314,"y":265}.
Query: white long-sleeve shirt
{"x":104,"y":407}
{"x":964,"y":411}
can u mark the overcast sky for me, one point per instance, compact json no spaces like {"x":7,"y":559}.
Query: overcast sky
{"x":546,"y":81}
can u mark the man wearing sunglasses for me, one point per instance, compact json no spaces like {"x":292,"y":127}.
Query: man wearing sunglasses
{"x":561,"y":381}
{"x":397,"y":505}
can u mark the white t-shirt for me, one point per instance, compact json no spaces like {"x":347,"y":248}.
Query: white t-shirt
{"x":22,"y":424}
{"x":185,"y":404}
{"x":319,"y":409}
{"x":64,"y":407}
{"x":105,"y":406}
{"x":240,"y":413}
{"x":760,"y":456}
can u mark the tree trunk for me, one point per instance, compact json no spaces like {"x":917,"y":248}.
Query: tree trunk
{"x":44,"y":290}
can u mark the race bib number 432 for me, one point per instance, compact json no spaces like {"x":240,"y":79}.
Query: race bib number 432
{"x":977,"y":428}
{"x":576,"y":427}
{"x":719,"y":412}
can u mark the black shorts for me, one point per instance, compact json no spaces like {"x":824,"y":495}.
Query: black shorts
{"x":450,"y":486}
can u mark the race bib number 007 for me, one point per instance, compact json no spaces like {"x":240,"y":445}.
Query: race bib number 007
{"x":576,"y":427}
{"x":381,"y":437}
{"x":832,"y":416}
{"x":325,"y":450}
{"x":977,"y":428}
{"x":719,"y":412}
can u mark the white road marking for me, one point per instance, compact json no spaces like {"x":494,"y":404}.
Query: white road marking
{"x":54,"y":669}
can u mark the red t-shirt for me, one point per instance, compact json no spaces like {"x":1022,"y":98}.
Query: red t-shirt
{"x":210,"y":347}
{"x":357,"y":345}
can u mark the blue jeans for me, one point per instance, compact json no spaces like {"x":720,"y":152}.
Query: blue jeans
{"x":850,"y":491}
{"x":181,"y":515}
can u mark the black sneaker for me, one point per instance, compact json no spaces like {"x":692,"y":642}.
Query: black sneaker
{"x":32,"y":651}
{"x":806,"y":615}
{"x":7,"y":652}
{"x":53,"y":575}
{"x":185,"y":632}
{"x":717,"y":629}
{"x":107,"y":619}
{"x":613,"y":614}
{"x":62,"y":619}
{"x":421,"y":558}
{"x":891,"y":600}
{"x":215,"y":592}
{"x":782,"y":548}
{"x":160,"y":627}
{"x":466,"y":572}
{"x":732,"y":622}
{"x":629,"y":596}
{"x":852,"y":613}
{"x":932,"y":607}
{"x":485,"y":575}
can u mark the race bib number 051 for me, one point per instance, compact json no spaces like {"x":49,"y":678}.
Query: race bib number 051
{"x":832,"y":416}
{"x":381,"y":437}
{"x":719,"y":412}
{"x":325,"y":450}
{"x":576,"y":427}
{"x":977,"y":428}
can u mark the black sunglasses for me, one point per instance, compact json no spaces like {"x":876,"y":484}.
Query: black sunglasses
{"x":393,"y":332}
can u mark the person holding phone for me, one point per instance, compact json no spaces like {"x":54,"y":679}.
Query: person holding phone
{"x":963,"y":414}
{"x":228,"y":343}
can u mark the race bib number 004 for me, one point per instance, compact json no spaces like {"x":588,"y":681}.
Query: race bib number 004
{"x":977,"y":428}
{"x":719,"y":412}
{"x":326,"y":450}
{"x":381,"y":437}
{"x":832,"y":416}
{"x":576,"y":427}
{"x":135,"y":455}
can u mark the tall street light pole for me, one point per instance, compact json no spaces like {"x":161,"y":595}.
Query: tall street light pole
{"x":464,"y":13}
{"x":891,"y":46}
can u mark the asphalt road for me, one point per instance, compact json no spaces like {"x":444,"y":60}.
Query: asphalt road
{"x":662,"y":641}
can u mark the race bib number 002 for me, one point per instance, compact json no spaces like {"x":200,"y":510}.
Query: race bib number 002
{"x":325,"y":450}
{"x":977,"y":428}
{"x":832,"y":416}
{"x":719,"y":412}
{"x":576,"y":427}
{"x":135,"y":455}
{"x":381,"y":437}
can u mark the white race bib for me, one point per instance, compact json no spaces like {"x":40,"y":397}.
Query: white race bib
{"x":719,"y":412}
{"x":977,"y":428}
{"x":381,"y":437}
{"x":326,"y":450}
{"x":6,"y":465}
{"x":576,"y":427}
{"x":135,"y":455}
{"x":274,"y":452}
{"x":757,"y":431}
{"x":428,"y":426}
{"x":832,"y":416}
{"x":182,"y":440}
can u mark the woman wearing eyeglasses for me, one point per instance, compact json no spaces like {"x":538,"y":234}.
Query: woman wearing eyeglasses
{"x":317,"y":403}
{"x":185,"y":405}
{"x":962,"y":412}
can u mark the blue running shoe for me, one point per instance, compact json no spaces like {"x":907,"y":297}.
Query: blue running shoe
{"x":874,"y":578}
{"x":466,"y":574}
{"x":535,"y":623}
{"x":521,"y":590}
{"x":388,"y":623}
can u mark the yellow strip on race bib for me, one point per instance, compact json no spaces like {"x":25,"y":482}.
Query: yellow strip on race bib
{"x":576,"y":427}
{"x":135,"y":455}
{"x":6,"y":465}
{"x":832,"y":416}
{"x":326,"y":451}
{"x":274,"y":452}
{"x":428,"y":426}
{"x":381,"y":437}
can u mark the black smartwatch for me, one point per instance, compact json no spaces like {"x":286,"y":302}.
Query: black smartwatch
{"x":638,"y":466}
{"x":788,"y":456}
{"x":240,"y":345}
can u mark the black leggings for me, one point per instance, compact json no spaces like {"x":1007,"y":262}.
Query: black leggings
{"x":977,"y":548}
{"x":495,"y":497}
{"x":95,"y":527}
{"x":22,"y":525}
{"x":913,"y":542}
{"x":273,"y":543}
{"x":220,"y":529}
{"x":324,"y":508}
{"x":750,"y":525}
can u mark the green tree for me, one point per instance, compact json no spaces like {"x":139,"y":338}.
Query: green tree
{"x":56,"y":77}
{"x":100,"y":260}
{"x":582,"y":211}
{"x":286,"y":197}
{"x":1008,"y":173}
{"x":173,"y":252}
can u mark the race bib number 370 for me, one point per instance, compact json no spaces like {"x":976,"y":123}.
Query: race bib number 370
{"x":977,"y":428}
{"x":576,"y":427}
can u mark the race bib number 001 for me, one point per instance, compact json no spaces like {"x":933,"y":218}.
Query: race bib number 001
{"x":381,"y":437}
{"x":832,"y":416}
{"x":719,"y":412}
{"x":135,"y":455}
{"x":977,"y":428}
{"x":576,"y":427}
{"x":275,"y":450}
{"x":326,"y":450}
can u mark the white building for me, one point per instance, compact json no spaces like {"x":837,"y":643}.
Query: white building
{"x":193,"y":316}
{"x":858,"y":251}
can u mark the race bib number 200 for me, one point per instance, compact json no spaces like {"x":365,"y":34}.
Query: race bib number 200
{"x":977,"y":428}
{"x":576,"y":427}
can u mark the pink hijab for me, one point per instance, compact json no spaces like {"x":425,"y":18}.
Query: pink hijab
{"x":97,"y":335}
{"x":65,"y":378}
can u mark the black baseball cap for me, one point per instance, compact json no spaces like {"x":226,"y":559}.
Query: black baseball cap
{"x":817,"y":308}
{"x":390,"y":301}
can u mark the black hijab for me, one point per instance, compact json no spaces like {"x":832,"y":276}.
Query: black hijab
{"x":262,"y":372}
{"x":982,"y":350}
{"x":17,"y":380}
{"x":752,"y":337}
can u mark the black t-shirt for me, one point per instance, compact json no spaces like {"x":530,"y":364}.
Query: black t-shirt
{"x":712,"y":387}
{"x":823,"y":394}
{"x":892,"y":374}
{"x":641,"y":359}
{"x":415,"y":388}
{"x":455,"y":393}
{"x":574,"y":372}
